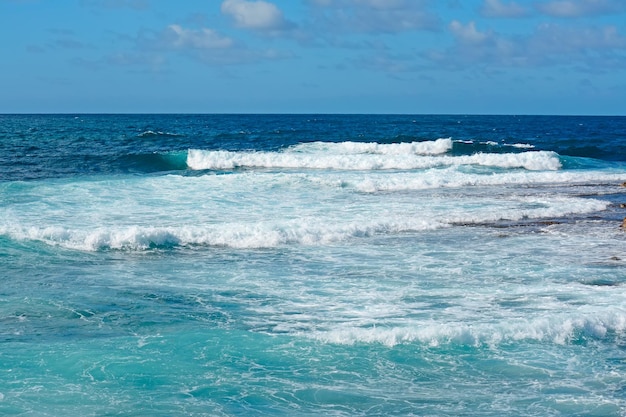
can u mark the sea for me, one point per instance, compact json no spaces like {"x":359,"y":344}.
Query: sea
{"x":312,"y":265}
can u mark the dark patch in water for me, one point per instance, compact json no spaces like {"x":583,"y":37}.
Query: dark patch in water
{"x":527,"y":225}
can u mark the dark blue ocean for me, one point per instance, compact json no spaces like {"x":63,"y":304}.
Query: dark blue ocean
{"x":312,"y":265}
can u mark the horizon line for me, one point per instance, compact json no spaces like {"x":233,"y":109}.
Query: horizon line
{"x":302,"y":114}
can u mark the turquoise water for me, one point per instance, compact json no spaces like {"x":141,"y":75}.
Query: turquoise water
{"x":160,"y":265}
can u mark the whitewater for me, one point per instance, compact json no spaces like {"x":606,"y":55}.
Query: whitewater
{"x":312,"y":265}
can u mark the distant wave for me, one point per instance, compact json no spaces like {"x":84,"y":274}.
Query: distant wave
{"x":151,"y":133}
{"x":512,"y":145}
{"x":521,"y":145}
{"x":435,"y":147}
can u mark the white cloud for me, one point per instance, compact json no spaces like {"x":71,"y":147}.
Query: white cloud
{"x":256,"y":15}
{"x":557,"y":40}
{"x":179,"y":37}
{"x":373,"y":16}
{"x":496,"y":8}
{"x":206,"y":46}
{"x":467,"y":33}
{"x":585,"y":48}
{"x":581,"y":8}
{"x":158,"y":51}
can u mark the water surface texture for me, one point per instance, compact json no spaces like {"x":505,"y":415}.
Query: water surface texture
{"x":304,"y":265}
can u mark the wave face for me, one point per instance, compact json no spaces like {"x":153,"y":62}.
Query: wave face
{"x":281,"y":265}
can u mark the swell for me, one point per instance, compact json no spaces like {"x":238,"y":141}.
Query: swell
{"x":42,"y":166}
{"x":37,"y":163}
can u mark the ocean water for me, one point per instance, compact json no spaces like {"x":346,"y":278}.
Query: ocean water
{"x":312,"y":265}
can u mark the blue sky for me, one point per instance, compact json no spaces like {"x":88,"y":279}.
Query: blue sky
{"x":313,"y":56}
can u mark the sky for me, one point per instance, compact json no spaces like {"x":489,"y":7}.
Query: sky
{"x":313,"y":56}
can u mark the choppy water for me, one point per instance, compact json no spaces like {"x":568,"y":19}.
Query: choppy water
{"x":158,"y":265}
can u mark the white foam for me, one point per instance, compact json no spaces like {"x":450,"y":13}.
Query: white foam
{"x":149,"y":133}
{"x":436,"y":147}
{"x":257,"y":227}
{"x":522,"y":145}
{"x":557,"y":328}
{"x":520,"y":208}
{"x":242,"y":235}
{"x":262,"y":209}
{"x":451,"y":177}
{"x":218,"y":160}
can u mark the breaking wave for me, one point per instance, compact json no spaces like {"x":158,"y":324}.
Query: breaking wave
{"x":263,"y":233}
{"x":390,"y":159}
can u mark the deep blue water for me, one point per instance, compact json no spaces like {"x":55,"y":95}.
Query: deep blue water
{"x":44,"y":146}
{"x":159,"y":265}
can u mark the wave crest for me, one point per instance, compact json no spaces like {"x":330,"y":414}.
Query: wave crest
{"x":152,"y":133}
{"x":436,"y":147}
{"x":557,"y":330}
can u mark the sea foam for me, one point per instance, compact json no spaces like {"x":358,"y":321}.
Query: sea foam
{"x":451,"y":177}
{"x":557,"y":329}
{"x":314,"y":228}
{"x":243,"y":236}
